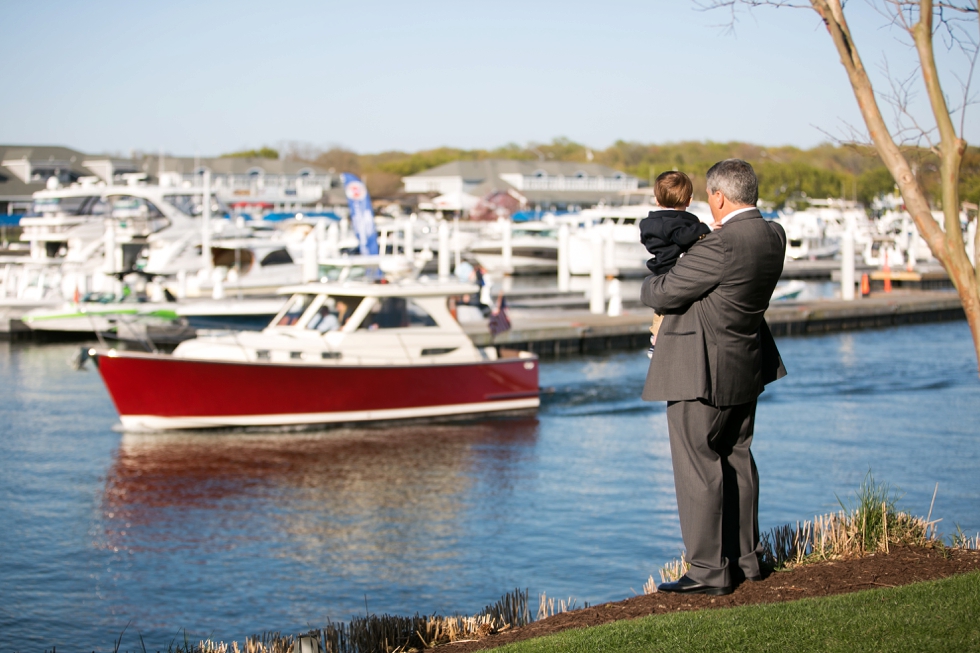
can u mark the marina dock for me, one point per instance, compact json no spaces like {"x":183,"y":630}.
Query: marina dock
{"x":555,"y":333}
{"x":560,"y":323}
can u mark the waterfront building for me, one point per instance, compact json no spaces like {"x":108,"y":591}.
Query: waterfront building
{"x":254,"y":185}
{"x":246,"y":184}
{"x":537,"y":185}
{"x":26,"y":169}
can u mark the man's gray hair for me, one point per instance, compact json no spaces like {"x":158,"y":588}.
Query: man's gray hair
{"x":735,"y":179}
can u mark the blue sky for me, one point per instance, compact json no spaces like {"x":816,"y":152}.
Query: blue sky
{"x":206,"y":78}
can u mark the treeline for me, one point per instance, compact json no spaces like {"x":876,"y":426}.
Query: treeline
{"x":263,"y":153}
{"x":786,"y":174}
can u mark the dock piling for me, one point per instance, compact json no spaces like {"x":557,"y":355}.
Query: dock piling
{"x":333,"y":240}
{"x":408,"y":240}
{"x":311,"y":267}
{"x":597,"y":301}
{"x":506,"y":247}
{"x":457,"y":244}
{"x":443,"y":250}
{"x":615,"y":299}
{"x":110,"y":246}
{"x":564,"y":267}
{"x":206,"y":222}
{"x":847,"y":265}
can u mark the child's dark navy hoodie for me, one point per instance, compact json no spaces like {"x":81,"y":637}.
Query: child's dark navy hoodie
{"x":667,"y":234}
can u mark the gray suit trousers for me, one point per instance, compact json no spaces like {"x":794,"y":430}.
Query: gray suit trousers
{"x":717,"y":487}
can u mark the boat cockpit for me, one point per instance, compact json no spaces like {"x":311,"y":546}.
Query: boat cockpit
{"x":354,"y":323}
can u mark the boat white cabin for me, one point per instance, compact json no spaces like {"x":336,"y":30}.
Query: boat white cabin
{"x":355,"y":322}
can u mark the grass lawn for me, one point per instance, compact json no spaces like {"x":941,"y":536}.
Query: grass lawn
{"x":934,"y":616}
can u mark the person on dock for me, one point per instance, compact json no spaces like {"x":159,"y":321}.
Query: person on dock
{"x":715,"y":355}
{"x":669,"y":232}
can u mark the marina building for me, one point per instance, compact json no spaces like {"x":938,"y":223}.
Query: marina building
{"x":254,"y":184}
{"x":25,"y":169}
{"x":537,"y":185}
{"x":246,"y":184}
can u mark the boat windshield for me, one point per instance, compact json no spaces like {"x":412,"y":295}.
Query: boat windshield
{"x":99,"y":297}
{"x":333,"y":314}
{"x":325,"y":319}
{"x":191,"y":204}
{"x":127,"y":207}
{"x":348,"y":272}
{"x":81,"y":205}
{"x":293,"y":310}
{"x":397,"y":313}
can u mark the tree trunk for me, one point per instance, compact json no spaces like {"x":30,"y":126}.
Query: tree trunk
{"x":947,"y":246}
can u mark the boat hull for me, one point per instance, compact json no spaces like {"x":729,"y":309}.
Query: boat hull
{"x":154,"y":392}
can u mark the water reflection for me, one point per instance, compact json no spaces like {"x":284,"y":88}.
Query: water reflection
{"x":380,"y":501}
{"x":846,"y":351}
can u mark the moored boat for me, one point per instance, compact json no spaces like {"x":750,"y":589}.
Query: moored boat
{"x":99,"y":313}
{"x":335,"y":353}
{"x":533,"y":245}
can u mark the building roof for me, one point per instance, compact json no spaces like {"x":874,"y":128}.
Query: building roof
{"x":486,"y":176}
{"x":14,"y":188}
{"x":485,"y":169}
{"x":229,"y":165}
{"x":16,"y":185}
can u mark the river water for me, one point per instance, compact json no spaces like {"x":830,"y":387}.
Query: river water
{"x":230,"y":535}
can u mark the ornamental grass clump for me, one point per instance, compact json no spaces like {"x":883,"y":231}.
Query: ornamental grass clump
{"x":871,"y":524}
{"x":387,"y":633}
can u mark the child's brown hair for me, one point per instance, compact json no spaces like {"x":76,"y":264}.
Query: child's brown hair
{"x":673,"y":190}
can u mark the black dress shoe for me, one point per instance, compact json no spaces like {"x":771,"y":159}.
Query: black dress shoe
{"x":685,"y":585}
{"x":754,"y":579}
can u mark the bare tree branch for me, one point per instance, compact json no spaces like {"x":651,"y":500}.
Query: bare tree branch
{"x":851,"y":135}
{"x":901,"y":96}
{"x":965,"y":85}
{"x":922,"y":20}
{"x":731,"y":6}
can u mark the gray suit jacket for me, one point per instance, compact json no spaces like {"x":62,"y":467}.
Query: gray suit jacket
{"x":714,"y":344}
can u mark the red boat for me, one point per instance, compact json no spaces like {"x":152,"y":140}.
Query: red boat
{"x":350,"y":352}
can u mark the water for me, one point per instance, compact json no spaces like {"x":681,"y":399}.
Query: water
{"x":230,"y":535}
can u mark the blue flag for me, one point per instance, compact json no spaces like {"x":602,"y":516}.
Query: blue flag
{"x":361,"y":215}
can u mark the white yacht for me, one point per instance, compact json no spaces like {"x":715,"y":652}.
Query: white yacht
{"x":533,"y":246}
{"x":617,"y":227}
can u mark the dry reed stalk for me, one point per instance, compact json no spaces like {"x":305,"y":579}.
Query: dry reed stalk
{"x":933,"y":502}
{"x":674,"y":569}
{"x":650,"y":587}
{"x":548,"y":607}
{"x":864,"y":531}
{"x":884,"y":524}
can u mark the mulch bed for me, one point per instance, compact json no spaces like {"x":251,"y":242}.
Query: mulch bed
{"x":901,"y":566}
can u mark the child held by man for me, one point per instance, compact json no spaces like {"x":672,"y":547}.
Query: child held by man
{"x":669,"y":232}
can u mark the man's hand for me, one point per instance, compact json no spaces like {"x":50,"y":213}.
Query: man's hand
{"x":695,"y":274}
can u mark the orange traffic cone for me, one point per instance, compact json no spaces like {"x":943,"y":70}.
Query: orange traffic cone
{"x":865,"y":285}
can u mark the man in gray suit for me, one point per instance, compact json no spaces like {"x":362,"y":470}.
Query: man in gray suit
{"x":713,"y":357}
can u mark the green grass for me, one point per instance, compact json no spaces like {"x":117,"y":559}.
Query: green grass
{"x":934,"y":616}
